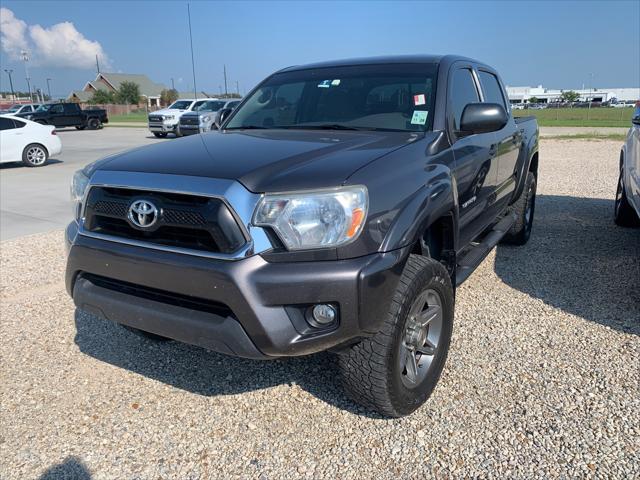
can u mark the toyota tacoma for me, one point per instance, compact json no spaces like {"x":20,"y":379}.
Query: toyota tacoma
{"x":337,"y":208}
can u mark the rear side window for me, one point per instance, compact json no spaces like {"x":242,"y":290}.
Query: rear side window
{"x":56,"y":109}
{"x":19,"y":124}
{"x":463,"y":92}
{"x":491,"y":88}
{"x":6,"y":124}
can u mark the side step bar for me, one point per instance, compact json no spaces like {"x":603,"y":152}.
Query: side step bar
{"x":477,"y":252}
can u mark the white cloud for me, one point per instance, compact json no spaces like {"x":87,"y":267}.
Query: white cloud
{"x":60,"y":45}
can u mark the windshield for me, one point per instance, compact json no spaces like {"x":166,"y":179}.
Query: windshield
{"x":210,"y":106}
{"x":365,"y":97}
{"x":14,"y":108}
{"x":181,"y":104}
{"x":43,"y":108}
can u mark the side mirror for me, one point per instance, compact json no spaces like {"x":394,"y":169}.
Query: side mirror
{"x":221,"y":116}
{"x":636,"y":120}
{"x":483,"y":118}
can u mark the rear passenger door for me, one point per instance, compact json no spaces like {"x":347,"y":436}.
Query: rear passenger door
{"x":56,"y":115}
{"x":475,"y":168}
{"x":508,"y":139}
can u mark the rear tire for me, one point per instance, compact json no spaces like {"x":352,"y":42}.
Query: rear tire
{"x":395,"y":371}
{"x":624,"y":215}
{"x":160,"y":134}
{"x":34,"y":155}
{"x":93,"y":124}
{"x":524,"y":208}
{"x":80,"y":127}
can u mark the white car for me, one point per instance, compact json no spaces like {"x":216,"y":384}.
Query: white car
{"x":167,"y":120}
{"x":24,"y":108}
{"x":28,"y":142}
{"x":627,"y":205}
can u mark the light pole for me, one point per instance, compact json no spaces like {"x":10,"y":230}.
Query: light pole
{"x":49,"y":88}
{"x":24,"y":56}
{"x":9,"y":72}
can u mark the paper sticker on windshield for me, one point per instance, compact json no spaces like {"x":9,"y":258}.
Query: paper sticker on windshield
{"x":419,"y":117}
{"x":419,"y":99}
{"x":324,"y":84}
{"x":335,"y":82}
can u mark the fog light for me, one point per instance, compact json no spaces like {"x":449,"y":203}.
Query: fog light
{"x":324,"y":314}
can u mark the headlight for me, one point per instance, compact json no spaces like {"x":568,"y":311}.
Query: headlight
{"x":204,"y":119}
{"x":168,"y":117}
{"x":320,"y":219}
{"x":78,"y":186}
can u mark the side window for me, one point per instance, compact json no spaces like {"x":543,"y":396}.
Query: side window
{"x":491,"y":88}
{"x":70,"y":108}
{"x":19,"y":124}
{"x":26,"y":109}
{"x":463,"y":92}
{"x":6,"y":124}
{"x":58,"y":108}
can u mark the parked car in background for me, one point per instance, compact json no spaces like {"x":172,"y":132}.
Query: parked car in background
{"x":627,"y":204}
{"x":28,"y":142}
{"x":68,"y":115}
{"x":201,"y":118}
{"x":167,"y":120}
{"x":21,"y":108}
{"x":517,"y":106}
{"x":336,"y":209}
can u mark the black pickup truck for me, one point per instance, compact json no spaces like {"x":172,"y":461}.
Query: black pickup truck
{"x":337,"y":208}
{"x":68,"y":115}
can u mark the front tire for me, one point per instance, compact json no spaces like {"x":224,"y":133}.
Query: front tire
{"x":160,"y":134}
{"x":624,"y":215}
{"x":524,"y":208}
{"x":395,"y":371}
{"x":80,"y":127}
{"x":34,"y":155}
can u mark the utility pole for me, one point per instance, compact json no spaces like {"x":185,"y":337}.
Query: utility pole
{"x":193,"y":64}
{"x":238,"y":87}
{"x":173,"y":85}
{"x":9,"y":72}
{"x":225,"y":79}
{"x":97,"y":64}
{"x":49,"y":88}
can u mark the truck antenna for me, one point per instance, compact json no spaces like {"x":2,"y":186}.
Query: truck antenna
{"x":193,"y":65}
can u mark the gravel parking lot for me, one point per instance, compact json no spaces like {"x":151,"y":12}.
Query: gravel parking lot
{"x":542,"y":378}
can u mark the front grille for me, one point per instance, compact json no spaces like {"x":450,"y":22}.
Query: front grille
{"x":161,"y":296}
{"x":188,"y":120}
{"x":182,"y":221}
{"x":155,"y":118}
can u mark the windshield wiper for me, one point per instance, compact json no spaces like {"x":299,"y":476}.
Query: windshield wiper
{"x":249,"y":127}
{"x":324,"y":126}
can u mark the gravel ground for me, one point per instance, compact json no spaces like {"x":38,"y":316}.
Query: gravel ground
{"x":542,"y":378}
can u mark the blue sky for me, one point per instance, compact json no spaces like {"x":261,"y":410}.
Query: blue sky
{"x":558,"y":44}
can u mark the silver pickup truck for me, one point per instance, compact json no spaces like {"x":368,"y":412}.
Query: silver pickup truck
{"x":627,"y":206}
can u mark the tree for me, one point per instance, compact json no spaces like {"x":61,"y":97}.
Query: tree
{"x":570,"y":96}
{"x":129,"y":93}
{"x":168,"y":96}
{"x":533,"y":100}
{"x":102,"y":97}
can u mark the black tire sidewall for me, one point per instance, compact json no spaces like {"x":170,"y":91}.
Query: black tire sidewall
{"x":405,"y":400}
{"x":93,"y":123}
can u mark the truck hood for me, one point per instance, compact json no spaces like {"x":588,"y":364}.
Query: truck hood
{"x":265,"y":161}
{"x":167,"y":111}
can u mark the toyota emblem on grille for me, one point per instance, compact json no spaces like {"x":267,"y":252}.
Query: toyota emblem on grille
{"x":143,"y":213}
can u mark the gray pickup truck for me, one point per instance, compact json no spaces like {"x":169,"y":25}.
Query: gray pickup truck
{"x":337,"y":208}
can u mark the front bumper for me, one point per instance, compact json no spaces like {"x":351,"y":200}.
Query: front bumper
{"x":251,"y":308}
{"x":190,"y":129}
{"x":162,"y":127}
